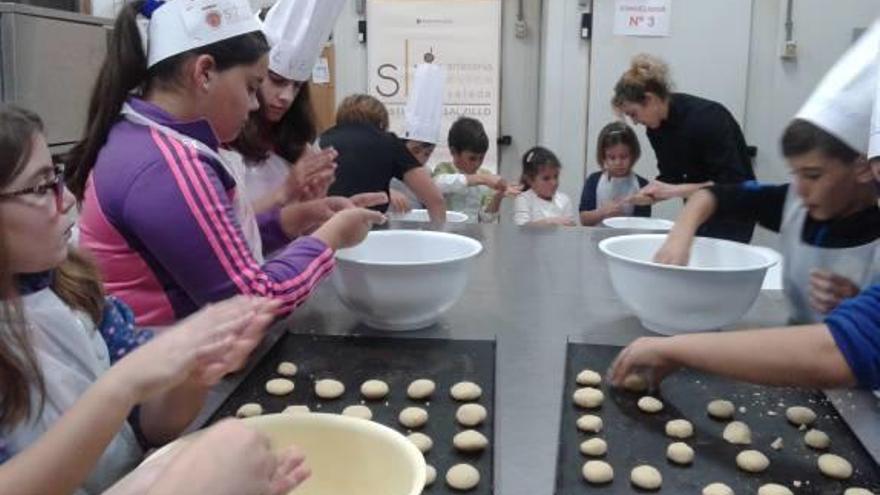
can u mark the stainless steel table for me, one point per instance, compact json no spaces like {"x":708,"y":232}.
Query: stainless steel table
{"x":534,"y":289}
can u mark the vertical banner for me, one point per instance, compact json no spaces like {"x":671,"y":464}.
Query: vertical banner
{"x":462,"y":35}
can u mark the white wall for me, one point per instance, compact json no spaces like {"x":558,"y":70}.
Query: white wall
{"x":777,"y":88}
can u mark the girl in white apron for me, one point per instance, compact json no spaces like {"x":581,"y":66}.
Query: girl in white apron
{"x":608,"y":193}
{"x":74,"y":365}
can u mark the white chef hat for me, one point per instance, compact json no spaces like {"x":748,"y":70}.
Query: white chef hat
{"x":178,"y":26}
{"x":842,"y":103}
{"x":424,"y":108}
{"x":297,"y":30}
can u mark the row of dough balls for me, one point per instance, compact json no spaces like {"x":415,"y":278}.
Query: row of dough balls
{"x":736,"y":432}
{"x":460,"y":476}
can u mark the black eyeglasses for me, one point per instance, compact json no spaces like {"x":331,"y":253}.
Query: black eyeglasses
{"x":55,"y":185}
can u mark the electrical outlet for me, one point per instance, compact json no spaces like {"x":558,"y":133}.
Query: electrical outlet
{"x":522,"y":29}
{"x":789,"y":50}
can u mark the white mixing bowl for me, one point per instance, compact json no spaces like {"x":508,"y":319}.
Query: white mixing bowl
{"x":404,"y":279}
{"x":346,"y":455}
{"x":420,"y":215}
{"x":639,"y":223}
{"x":717,"y":288}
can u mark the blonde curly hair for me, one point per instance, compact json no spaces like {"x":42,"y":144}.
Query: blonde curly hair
{"x":646,"y":74}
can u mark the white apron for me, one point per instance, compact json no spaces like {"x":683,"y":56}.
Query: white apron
{"x":860,"y":264}
{"x":235,"y":168}
{"x":71,"y":355}
{"x":265,"y":177}
{"x":612,"y":189}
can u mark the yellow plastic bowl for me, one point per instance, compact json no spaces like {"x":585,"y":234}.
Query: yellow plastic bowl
{"x":346,"y":455}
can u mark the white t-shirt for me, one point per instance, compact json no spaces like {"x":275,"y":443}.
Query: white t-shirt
{"x":529,"y":207}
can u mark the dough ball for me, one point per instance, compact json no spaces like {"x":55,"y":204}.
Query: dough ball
{"x":835,"y":466}
{"x":358,"y":411}
{"x":329,"y":389}
{"x":857,"y":491}
{"x":800,"y":415}
{"x":249,"y":410}
{"x":470,"y":441}
{"x":817,"y":439}
{"x":430,"y":474}
{"x":462,"y":477}
{"x":296,"y":410}
{"x":721,"y":409}
{"x":413,"y":417}
{"x":279,"y":386}
{"x":464,"y":391}
{"x":737,"y":433}
{"x":420,"y":389}
{"x":650,"y":404}
{"x":752,"y":461}
{"x":680,"y":453}
{"x":589,"y":423}
{"x":470,"y":415}
{"x":594,"y":447}
{"x":588,"y":397}
{"x":286,"y":368}
{"x":589,"y":378}
{"x":421,"y":441}
{"x":597,"y":472}
{"x":774,"y":489}
{"x":646,"y":477}
{"x":679,"y":428}
{"x":635,"y":383}
{"x":717,"y":489}
{"x":374,"y":389}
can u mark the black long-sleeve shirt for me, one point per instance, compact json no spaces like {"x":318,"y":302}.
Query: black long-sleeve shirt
{"x":700,"y":141}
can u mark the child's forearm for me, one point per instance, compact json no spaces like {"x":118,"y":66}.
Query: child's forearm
{"x":62,"y":458}
{"x":699,"y":208}
{"x":591,"y":218}
{"x":804,"y":356}
{"x":165,"y":417}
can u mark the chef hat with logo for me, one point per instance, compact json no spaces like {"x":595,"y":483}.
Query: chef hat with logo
{"x":297,"y":31}
{"x":178,"y":26}
{"x":424,"y":108}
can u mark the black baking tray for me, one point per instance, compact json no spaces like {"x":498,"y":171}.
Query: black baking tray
{"x":637,"y":438}
{"x":397,"y":361}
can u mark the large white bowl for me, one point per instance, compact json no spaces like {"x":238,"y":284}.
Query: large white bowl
{"x":639,"y":223}
{"x":421,"y":215}
{"x":404,"y":279}
{"x":717,"y":288}
{"x":346,"y":455}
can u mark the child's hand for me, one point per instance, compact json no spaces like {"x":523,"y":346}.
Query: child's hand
{"x":194,"y":349}
{"x":230,"y":459}
{"x":647,"y":357}
{"x":493,"y":181}
{"x":310,"y":176}
{"x":674,"y":251}
{"x":563,"y":221}
{"x":348,"y":227}
{"x":368,"y":200}
{"x":612,"y":209}
{"x":640,"y":199}
{"x":828,"y":289}
{"x":513,"y":191}
{"x":398,"y":202}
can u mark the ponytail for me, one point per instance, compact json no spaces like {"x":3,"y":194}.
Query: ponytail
{"x":533,"y":161}
{"x":125,"y":71}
